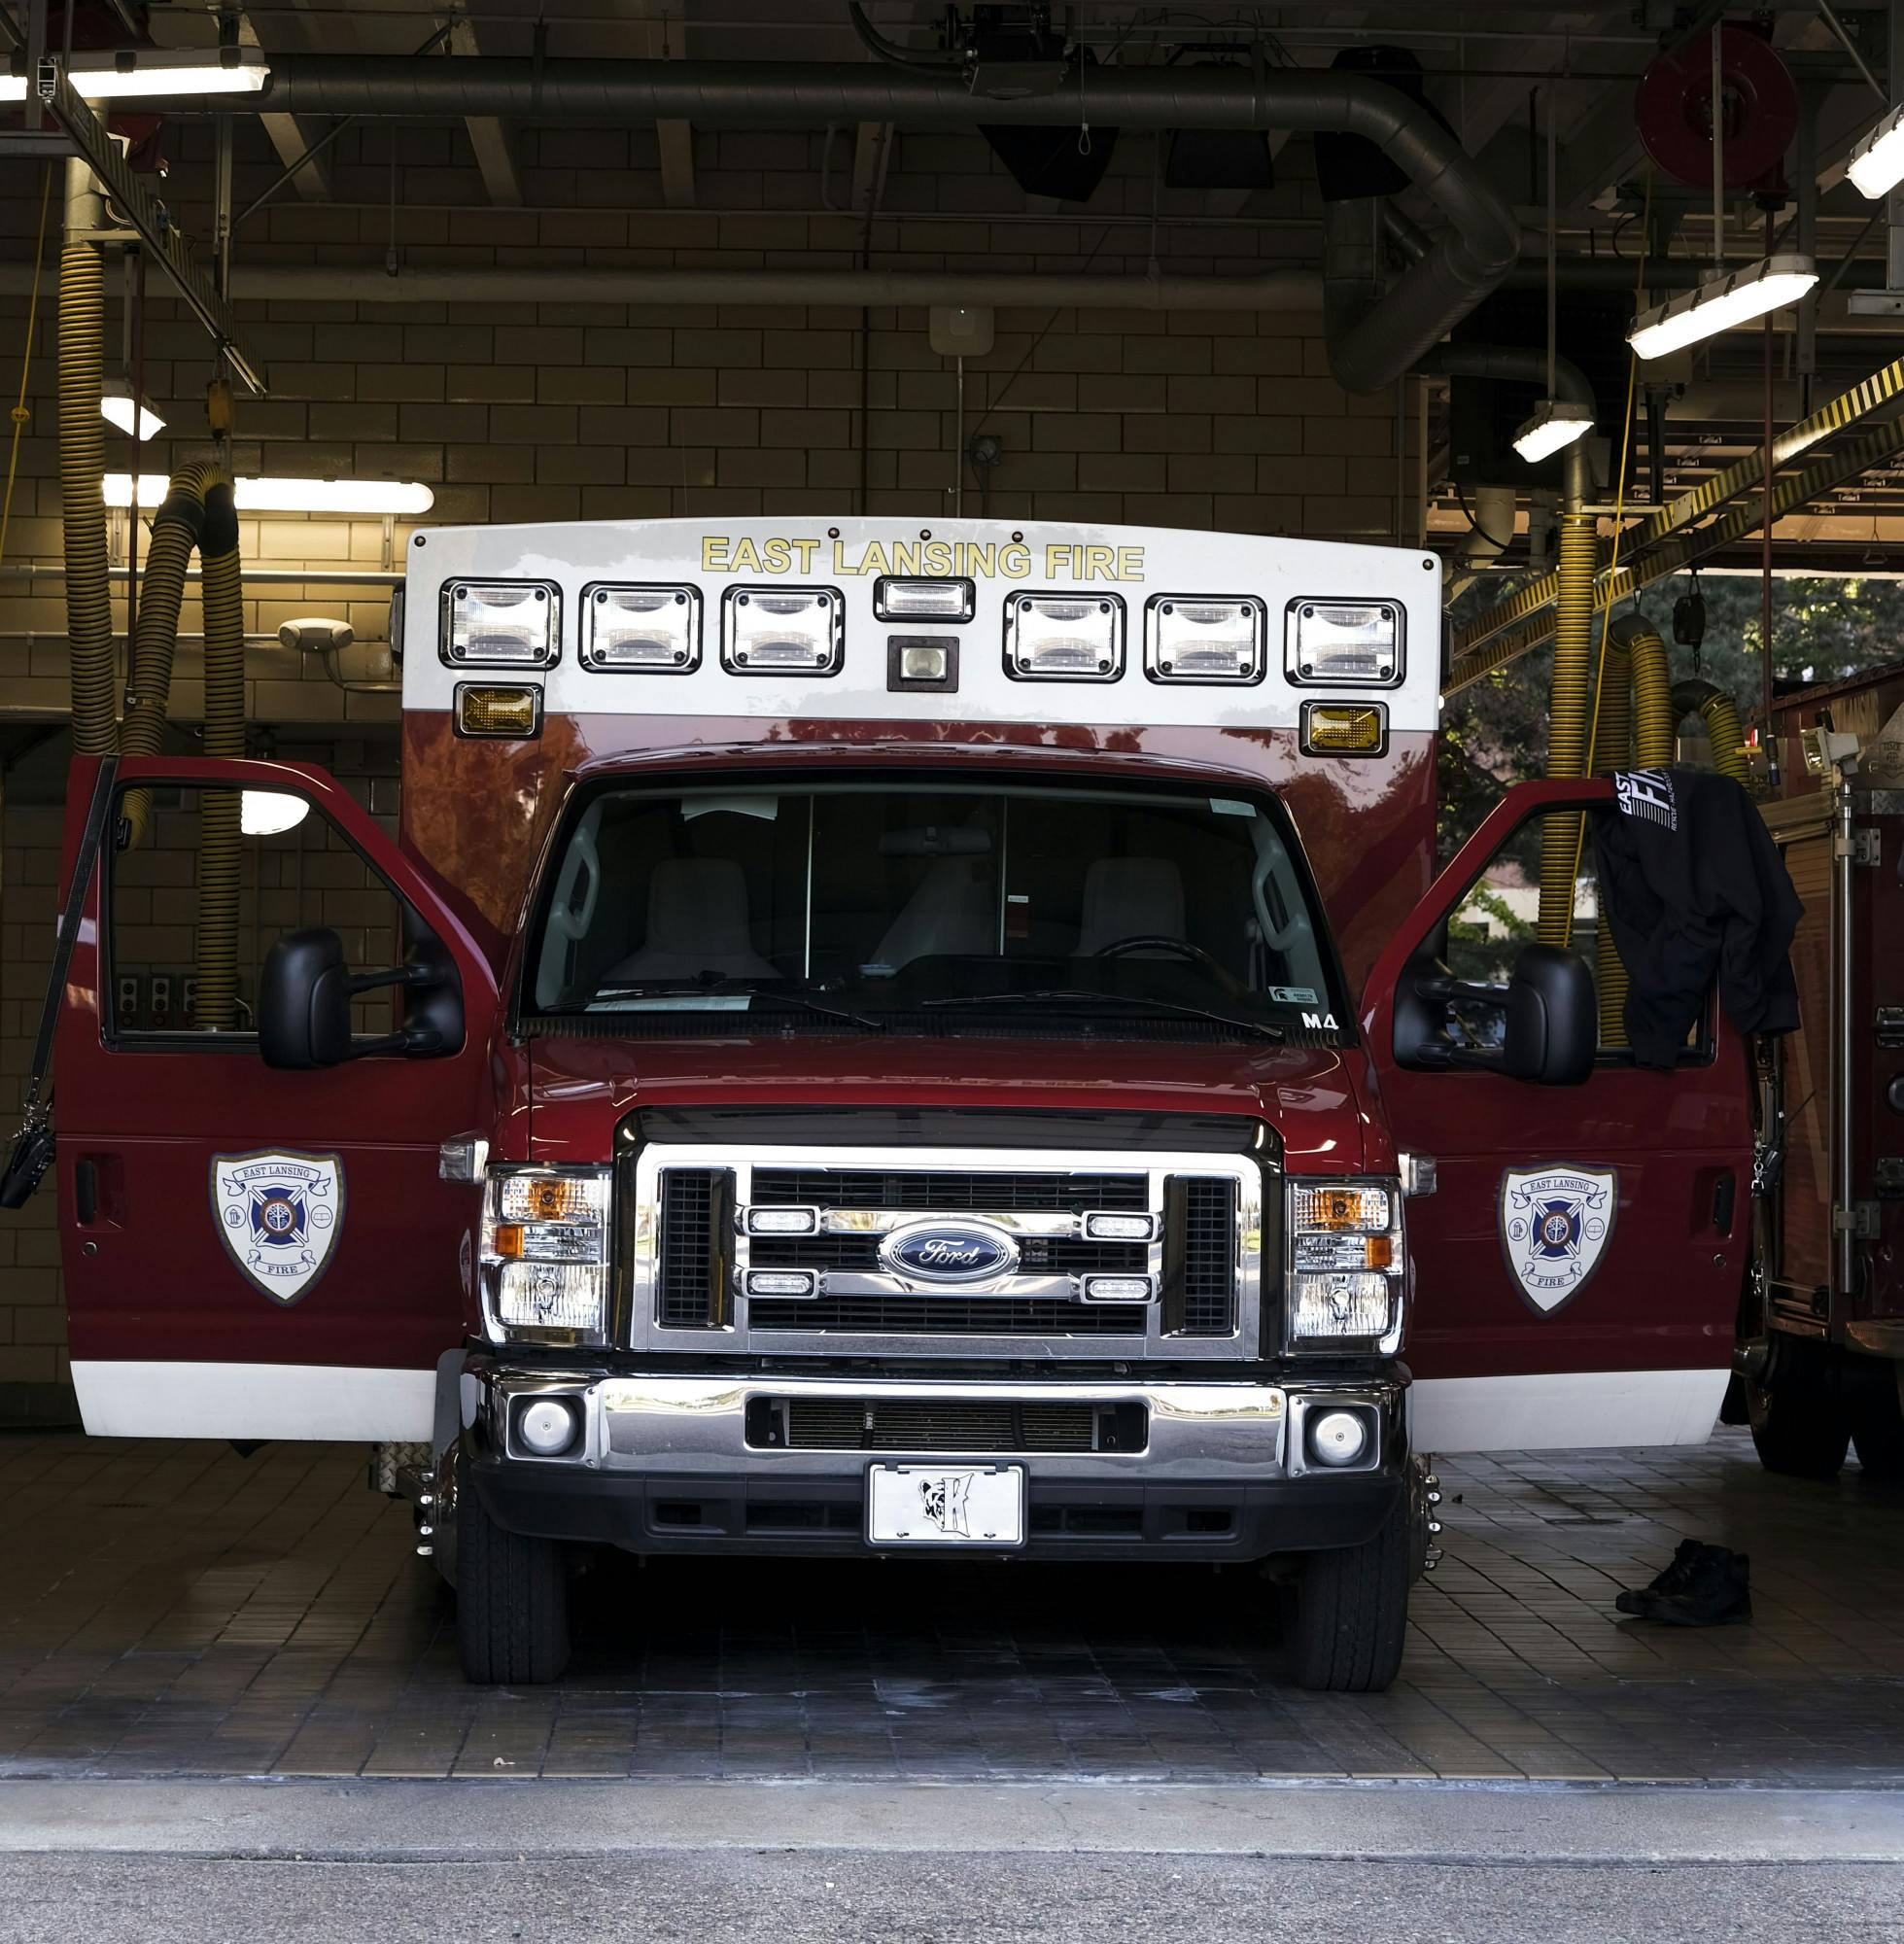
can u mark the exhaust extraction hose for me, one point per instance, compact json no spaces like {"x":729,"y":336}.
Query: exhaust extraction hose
{"x":1566,"y":720}
{"x":1720,"y":715}
{"x":1613,"y":750}
{"x":221,"y":851}
{"x":1655,"y":721}
{"x":82,"y":470}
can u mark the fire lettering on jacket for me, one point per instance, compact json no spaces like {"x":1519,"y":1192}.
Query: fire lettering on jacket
{"x":928,"y":558}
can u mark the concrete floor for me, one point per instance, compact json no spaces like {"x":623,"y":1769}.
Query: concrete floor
{"x":179,"y":1610}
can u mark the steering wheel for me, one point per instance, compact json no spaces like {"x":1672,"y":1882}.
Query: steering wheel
{"x":1155,"y":941}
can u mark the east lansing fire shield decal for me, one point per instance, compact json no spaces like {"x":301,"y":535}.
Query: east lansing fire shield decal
{"x":279,"y":1216}
{"x":1555,"y":1223}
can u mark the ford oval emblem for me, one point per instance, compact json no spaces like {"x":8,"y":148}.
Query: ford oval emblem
{"x":948,"y":1252}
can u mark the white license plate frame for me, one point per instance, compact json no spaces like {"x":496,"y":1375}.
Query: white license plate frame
{"x":982,"y":1507}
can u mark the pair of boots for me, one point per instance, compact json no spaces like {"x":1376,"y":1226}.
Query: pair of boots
{"x":1705,"y":1586}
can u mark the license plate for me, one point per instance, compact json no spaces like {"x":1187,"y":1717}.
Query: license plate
{"x":946,"y":1505}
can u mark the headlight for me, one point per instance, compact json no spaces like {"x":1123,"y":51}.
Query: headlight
{"x":545,"y":1250}
{"x":1346,"y":1263}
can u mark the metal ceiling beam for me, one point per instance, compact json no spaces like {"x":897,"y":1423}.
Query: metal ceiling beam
{"x":148,"y":216}
{"x":492,"y":138}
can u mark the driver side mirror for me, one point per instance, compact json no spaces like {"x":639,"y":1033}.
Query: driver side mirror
{"x":1553,"y":1021}
{"x":304,"y":995}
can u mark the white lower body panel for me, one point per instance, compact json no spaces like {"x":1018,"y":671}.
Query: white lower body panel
{"x":255,"y":1401}
{"x":1564,"y":1410}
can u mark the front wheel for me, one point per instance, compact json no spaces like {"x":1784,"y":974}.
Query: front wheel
{"x":1348,"y":1612}
{"x":1800,"y":1427}
{"x":511,"y":1598}
{"x":1878,"y":1427}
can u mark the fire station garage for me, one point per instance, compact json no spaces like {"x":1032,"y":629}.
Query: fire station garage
{"x":990,"y":908}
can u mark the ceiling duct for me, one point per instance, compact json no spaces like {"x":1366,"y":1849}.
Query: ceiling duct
{"x":1466,"y":260}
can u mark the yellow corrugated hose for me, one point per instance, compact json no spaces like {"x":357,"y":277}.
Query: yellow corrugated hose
{"x":82,"y":502}
{"x":1567,"y":721}
{"x":1655,"y":724}
{"x":1613,"y":750}
{"x":1720,"y":715}
{"x":221,"y":851}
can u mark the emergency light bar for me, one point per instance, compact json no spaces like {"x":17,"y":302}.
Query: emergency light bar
{"x":1064,"y":637}
{"x":1197,"y":638}
{"x":501,"y":623}
{"x":782,"y":631}
{"x":1342,"y":642}
{"x":653,"y":630}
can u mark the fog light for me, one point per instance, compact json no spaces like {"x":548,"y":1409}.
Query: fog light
{"x":548,"y":1427}
{"x":1338,"y":1437}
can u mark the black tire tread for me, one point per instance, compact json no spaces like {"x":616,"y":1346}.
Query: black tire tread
{"x":1878,"y":1430}
{"x":1800,"y":1430}
{"x":511,"y":1600}
{"x":1348,"y":1613}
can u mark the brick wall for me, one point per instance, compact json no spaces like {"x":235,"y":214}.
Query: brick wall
{"x":556,"y":412}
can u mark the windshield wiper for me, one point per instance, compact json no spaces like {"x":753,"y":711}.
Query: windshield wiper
{"x":1061,"y":995}
{"x":753,"y":996}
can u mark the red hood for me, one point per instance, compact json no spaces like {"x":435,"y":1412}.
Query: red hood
{"x":1315,"y":1097}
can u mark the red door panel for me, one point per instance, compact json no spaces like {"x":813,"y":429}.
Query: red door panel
{"x":1636,"y":1350}
{"x":175,"y":1158}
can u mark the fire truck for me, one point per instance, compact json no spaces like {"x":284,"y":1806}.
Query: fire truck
{"x":893,"y":1039}
{"x":1821,"y":1346}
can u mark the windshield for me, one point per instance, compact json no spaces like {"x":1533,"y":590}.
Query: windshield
{"x":931,"y":907}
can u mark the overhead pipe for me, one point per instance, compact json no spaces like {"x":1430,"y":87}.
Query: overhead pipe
{"x":1479,"y":247}
{"x":83,"y":466}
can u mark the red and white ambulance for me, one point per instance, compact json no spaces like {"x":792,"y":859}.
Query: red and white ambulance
{"x":896,"y":1039}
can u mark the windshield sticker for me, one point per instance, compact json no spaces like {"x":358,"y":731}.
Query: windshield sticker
{"x":1293,"y":995}
{"x":279,"y":1216}
{"x":1228,"y":806}
{"x":932,"y":560}
{"x":1555,"y":1223}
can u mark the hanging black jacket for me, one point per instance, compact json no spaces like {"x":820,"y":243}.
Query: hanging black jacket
{"x":1692,"y":888}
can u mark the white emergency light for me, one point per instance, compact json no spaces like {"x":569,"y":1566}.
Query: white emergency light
{"x":895,"y":600}
{"x":1342,"y":642}
{"x":782,"y":631}
{"x":501,"y":623}
{"x":1202,"y":639}
{"x":642,"y":629}
{"x":1064,"y":637}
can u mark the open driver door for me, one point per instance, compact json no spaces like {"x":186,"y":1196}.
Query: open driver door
{"x":1579,"y":1264}
{"x":251,"y":1251}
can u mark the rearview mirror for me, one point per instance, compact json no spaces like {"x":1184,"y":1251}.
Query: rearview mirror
{"x":1552,"y":1028}
{"x":304,"y":995}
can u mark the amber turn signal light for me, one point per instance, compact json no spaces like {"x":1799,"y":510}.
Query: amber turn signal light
{"x":1344,"y":729}
{"x":495,"y":709}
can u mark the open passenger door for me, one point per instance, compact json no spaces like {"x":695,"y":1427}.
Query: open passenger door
{"x":1580,"y":1263}
{"x":251,"y":1252}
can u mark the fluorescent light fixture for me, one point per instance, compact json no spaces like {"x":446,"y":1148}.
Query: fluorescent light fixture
{"x":396,"y":496}
{"x":270,"y":813}
{"x":1722,"y":302}
{"x":1875,"y":165}
{"x":117,"y":406}
{"x":155,"y":74}
{"x":1556,"y":422}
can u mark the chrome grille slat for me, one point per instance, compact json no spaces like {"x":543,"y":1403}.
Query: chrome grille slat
{"x":950,"y":1192}
{"x":949,"y":1316}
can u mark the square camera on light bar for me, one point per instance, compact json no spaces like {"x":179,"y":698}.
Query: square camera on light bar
{"x":501,"y":623}
{"x":1337,"y":641}
{"x":1064,"y":637}
{"x":642,"y":629}
{"x":782,"y":631}
{"x":897,"y":600}
{"x":1197,"y":638}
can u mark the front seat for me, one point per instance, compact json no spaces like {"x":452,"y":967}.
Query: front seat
{"x":954,"y":909}
{"x":1129,"y":898}
{"x":697,"y":922}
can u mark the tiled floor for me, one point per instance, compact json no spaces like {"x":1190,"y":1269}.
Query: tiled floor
{"x":171,"y":1610}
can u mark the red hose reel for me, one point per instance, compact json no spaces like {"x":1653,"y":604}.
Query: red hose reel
{"x":1758,"y":105}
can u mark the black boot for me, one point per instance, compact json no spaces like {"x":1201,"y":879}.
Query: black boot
{"x":1673,"y":1581}
{"x":1717,"y":1590}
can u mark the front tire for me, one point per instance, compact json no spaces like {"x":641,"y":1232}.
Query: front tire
{"x":511,"y":1598}
{"x":1878,"y":1427}
{"x":1801,"y":1429}
{"x":1348,"y":1612}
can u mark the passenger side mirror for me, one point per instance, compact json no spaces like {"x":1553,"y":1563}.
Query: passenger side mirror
{"x":1553,"y":1020}
{"x":1549,"y":1028}
{"x":304,"y":995}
